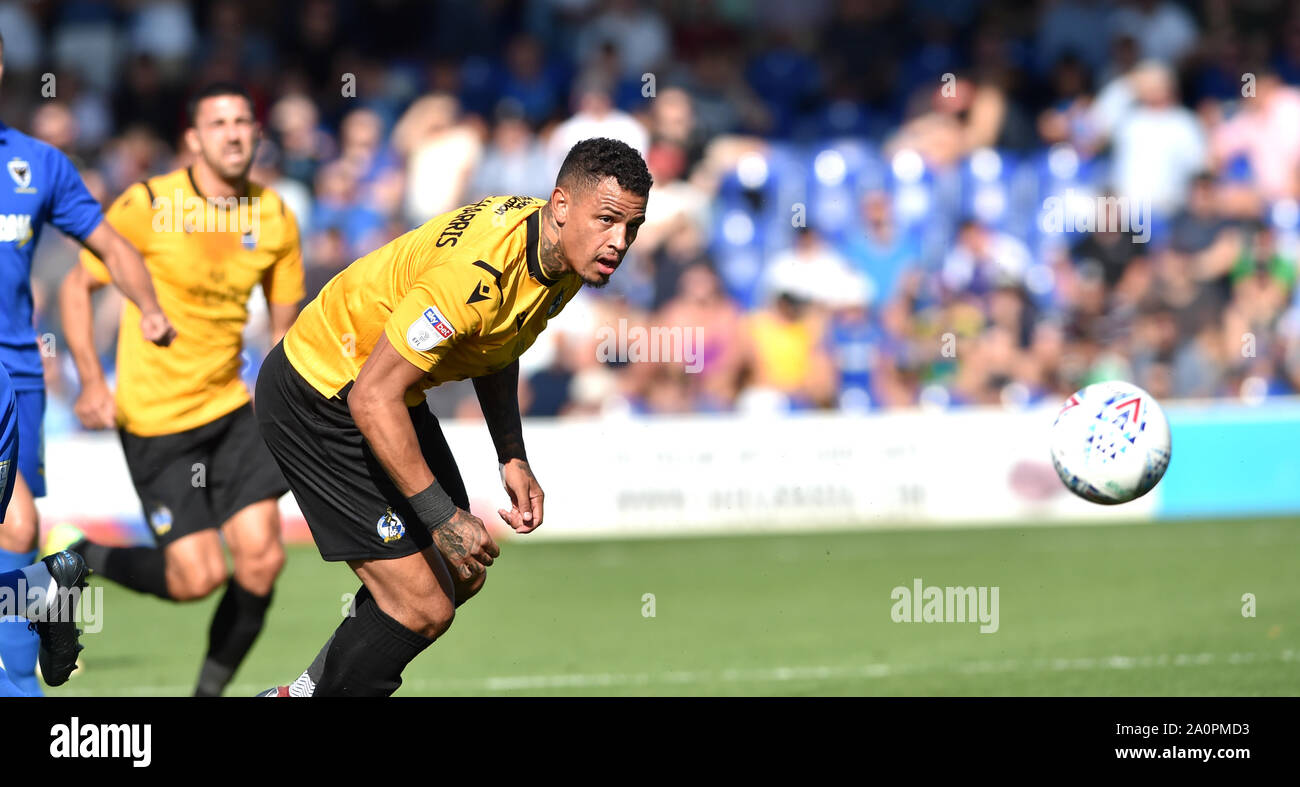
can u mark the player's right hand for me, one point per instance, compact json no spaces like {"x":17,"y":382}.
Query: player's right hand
{"x":465,"y":544}
{"x":95,"y":407}
{"x":157,"y":328}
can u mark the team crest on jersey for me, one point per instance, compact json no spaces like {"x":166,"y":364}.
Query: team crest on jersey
{"x":160,"y":519}
{"x":390,"y":526}
{"x":21,"y":172}
{"x":428,"y":330}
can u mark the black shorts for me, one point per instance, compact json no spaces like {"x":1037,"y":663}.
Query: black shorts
{"x":354,"y":510}
{"x":197,"y":479}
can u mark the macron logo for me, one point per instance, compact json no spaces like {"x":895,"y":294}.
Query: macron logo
{"x":133,"y":741}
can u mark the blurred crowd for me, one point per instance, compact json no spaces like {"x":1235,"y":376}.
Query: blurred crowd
{"x":858,"y":204}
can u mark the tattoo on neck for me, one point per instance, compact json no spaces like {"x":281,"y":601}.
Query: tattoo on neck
{"x":548,"y":252}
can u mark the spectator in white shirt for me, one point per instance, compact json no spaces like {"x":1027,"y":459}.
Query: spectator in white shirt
{"x":1158,"y":145}
{"x":596,"y":117}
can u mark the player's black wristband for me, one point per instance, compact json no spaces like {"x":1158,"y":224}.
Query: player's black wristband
{"x":433,"y":506}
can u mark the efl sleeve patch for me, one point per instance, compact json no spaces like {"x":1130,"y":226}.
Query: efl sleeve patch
{"x":428,"y":330}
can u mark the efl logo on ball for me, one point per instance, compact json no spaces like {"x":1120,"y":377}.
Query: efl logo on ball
{"x":1111,"y":443}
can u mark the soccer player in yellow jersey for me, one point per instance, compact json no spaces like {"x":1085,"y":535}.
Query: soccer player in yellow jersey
{"x":341,"y":400}
{"x":196,"y":456}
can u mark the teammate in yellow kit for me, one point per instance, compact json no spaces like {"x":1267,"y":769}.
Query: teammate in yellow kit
{"x":341,"y":400}
{"x":196,"y":456}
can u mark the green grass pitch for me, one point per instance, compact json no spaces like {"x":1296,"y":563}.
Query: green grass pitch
{"x":1142,"y":609}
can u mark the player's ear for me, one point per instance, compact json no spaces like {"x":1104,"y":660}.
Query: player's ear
{"x":192,"y":140}
{"x":560,"y":205}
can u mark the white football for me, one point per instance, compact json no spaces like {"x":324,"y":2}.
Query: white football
{"x":1110,"y":443}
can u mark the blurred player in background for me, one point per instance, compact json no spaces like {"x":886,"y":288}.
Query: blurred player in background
{"x":46,"y":188}
{"x":185,"y":420}
{"x":341,"y":400}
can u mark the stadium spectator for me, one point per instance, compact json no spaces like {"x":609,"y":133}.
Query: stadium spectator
{"x":761,"y":90}
{"x":884,"y":251}
{"x":529,"y":83}
{"x":294,"y":126}
{"x":1112,"y":248}
{"x":701,"y":310}
{"x":441,"y":151}
{"x":784,"y":363}
{"x":982,"y":259}
{"x":633,"y":29}
{"x":513,"y":161}
{"x":1158,"y":145}
{"x":595,"y":116}
{"x":1263,"y":133}
{"x":1163,"y":30}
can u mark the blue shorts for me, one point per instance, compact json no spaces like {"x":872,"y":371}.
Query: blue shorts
{"x":31,"y":441}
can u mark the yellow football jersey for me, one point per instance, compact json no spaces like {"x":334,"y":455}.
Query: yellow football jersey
{"x":461,"y":296}
{"x":205,"y":261}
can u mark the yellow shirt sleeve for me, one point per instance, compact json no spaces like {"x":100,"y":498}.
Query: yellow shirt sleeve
{"x":283,"y":281}
{"x":131,"y":214}
{"x":431,"y":319}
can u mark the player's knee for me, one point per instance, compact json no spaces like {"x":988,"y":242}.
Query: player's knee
{"x":272,"y":562}
{"x":258,"y":570}
{"x":194,"y":580}
{"x":205,"y":585}
{"x":432,"y":618}
{"x":21,"y":524}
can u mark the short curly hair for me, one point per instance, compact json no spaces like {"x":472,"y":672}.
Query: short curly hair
{"x":592,"y":160}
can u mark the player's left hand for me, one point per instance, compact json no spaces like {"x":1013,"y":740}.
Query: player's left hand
{"x":157,"y":328}
{"x":525,"y":514}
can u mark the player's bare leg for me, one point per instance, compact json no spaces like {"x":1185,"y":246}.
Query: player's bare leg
{"x":417,"y":591}
{"x":18,"y":644}
{"x":194,"y":566}
{"x":187,"y":569}
{"x":253,"y":536}
{"x":22,"y":521}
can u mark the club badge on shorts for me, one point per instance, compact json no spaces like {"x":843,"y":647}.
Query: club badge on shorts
{"x":390,"y":526}
{"x":160,"y":519}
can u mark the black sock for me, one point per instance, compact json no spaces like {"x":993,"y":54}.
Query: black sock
{"x":368,"y":653}
{"x":143,"y":569}
{"x":235,"y":626}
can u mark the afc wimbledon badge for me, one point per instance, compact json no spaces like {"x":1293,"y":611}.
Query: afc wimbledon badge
{"x":21,"y":172}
